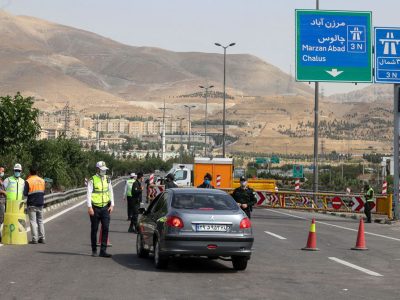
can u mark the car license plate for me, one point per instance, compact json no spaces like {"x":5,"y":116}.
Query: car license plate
{"x":211,"y":227}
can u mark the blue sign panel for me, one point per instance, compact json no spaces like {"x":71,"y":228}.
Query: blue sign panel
{"x":387,"y":55}
{"x":333,"y":46}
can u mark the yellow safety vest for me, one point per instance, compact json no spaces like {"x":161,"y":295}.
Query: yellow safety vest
{"x":369,"y":196}
{"x":101,"y":193}
{"x":15,"y":189}
{"x":129,"y":183}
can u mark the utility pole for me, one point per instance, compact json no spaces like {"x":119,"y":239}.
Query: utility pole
{"x":316,"y":112}
{"x":181,"y":147}
{"x":189,"y":107}
{"x":97,"y":134}
{"x":163,"y":132}
{"x":67,"y":119}
{"x":206,"y":117}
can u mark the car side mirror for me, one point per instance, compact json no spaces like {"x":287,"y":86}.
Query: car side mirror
{"x":142,"y":210}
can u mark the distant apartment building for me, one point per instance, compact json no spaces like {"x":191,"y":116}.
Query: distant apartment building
{"x":55,"y":124}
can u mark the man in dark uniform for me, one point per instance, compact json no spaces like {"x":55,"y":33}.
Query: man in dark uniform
{"x":369,"y":200}
{"x":207,"y":182}
{"x":169,"y":181}
{"x":136,"y":200}
{"x":244,"y":196}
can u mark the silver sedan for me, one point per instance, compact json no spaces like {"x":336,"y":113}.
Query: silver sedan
{"x":195,"y":222}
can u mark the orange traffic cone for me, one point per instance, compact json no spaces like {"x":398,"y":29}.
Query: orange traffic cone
{"x":360,"y":245}
{"x":100,"y":237}
{"x":312,"y":238}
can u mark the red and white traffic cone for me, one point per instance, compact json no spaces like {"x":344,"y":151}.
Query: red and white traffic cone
{"x":101,"y":236}
{"x":312,"y":238}
{"x":360,"y":245}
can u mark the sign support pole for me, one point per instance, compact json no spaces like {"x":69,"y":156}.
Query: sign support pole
{"x":396,"y":151}
{"x":315,"y":169}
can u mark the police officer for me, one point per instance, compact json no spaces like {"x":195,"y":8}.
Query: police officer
{"x":14,"y":185}
{"x":137,"y":199}
{"x":369,"y":200}
{"x":169,"y":181}
{"x":244,"y":196}
{"x":100,"y":202}
{"x":128,"y":194}
{"x":206,"y":182}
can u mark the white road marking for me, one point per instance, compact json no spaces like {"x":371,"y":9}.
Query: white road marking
{"x":63,"y":212}
{"x":345,"y":263}
{"x":275,"y":235}
{"x":337,"y":226}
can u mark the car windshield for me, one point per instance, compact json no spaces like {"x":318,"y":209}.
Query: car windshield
{"x":204,"y":202}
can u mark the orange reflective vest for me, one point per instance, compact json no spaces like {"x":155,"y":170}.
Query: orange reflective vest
{"x":36,"y":185}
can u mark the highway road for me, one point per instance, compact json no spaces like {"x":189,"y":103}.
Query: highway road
{"x":64,"y":269}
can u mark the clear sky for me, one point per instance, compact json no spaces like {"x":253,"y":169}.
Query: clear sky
{"x":264,"y":28}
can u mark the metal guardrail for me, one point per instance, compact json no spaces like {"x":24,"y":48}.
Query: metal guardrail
{"x":55,"y":198}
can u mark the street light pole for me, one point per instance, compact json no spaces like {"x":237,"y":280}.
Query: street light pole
{"x":206,"y":117}
{"x":223,"y":112}
{"x":189,"y":107}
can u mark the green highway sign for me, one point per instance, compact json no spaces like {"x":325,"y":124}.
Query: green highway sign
{"x":261,"y":160}
{"x":298,"y":171}
{"x":333,"y":46}
{"x":275,"y":159}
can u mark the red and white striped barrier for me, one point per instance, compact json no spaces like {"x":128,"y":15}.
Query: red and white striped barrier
{"x":218,"y":181}
{"x":297,"y":185}
{"x":384,"y":188}
{"x":155,"y":190}
{"x":151,"y":179}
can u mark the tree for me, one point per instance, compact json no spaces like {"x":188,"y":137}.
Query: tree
{"x":18,"y":123}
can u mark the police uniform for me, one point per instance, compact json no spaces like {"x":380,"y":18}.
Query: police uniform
{"x":245,"y":195}
{"x":100,"y":198}
{"x":128,"y":194}
{"x":369,"y":200}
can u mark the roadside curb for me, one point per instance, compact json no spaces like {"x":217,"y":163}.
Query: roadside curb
{"x":359,"y":216}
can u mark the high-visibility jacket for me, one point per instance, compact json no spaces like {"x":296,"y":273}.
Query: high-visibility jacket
{"x":101,"y":192}
{"x":34,"y":190}
{"x":369,"y":196}
{"x":15,"y":189}
{"x":129,"y":184}
{"x":36,"y":185}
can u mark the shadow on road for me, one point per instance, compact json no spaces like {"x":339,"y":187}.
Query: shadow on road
{"x":176,"y":265}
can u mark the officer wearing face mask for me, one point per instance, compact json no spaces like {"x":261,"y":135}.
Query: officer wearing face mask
{"x":100,"y":203}
{"x":207,"y":182}
{"x":244,"y":196}
{"x":14,"y":185}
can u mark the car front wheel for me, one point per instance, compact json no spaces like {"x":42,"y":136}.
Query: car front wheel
{"x":239,"y":262}
{"x":160,"y":261}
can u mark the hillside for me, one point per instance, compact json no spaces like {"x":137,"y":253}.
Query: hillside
{"x":58,"y":64}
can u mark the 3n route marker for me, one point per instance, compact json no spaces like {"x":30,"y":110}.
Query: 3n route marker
{"x":387,"y":55}
{"x":333,"y":46}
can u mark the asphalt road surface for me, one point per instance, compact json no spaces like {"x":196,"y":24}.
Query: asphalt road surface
{"x":278,"y":269}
